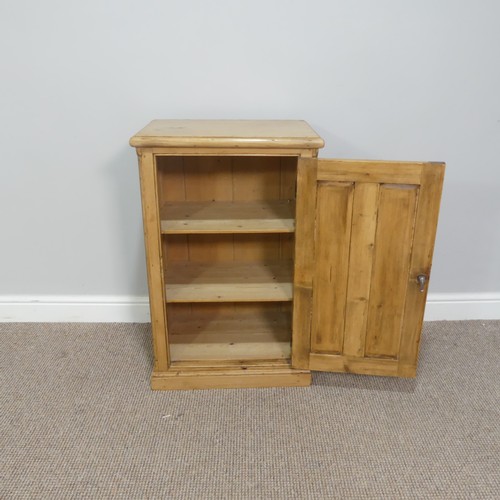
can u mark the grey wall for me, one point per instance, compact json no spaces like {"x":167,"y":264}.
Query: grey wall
{"x":390,"y":79}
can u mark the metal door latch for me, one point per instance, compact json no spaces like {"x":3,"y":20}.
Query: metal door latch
{"x":422,"y":280}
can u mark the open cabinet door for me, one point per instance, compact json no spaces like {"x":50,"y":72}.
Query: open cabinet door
{"x":365,"y":237}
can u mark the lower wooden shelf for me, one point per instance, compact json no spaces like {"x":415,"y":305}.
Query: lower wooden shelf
{"x":229,"y":282}
{"x":230,"y":336}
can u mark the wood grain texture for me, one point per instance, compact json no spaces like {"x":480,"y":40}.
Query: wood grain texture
{"x":229,"y":282}
{"x":247,"y":152}
{"x":231,"y":336}
{"x":230,"y":378}
{"x":304,"y":263}
{"x":228,"y":217}
{"x":288,"y":193}
{"x":393,"y":229}
{"x":152,"y":238}
{"x":361,"y":366}
{"x":256,"y":178}
{"x":421,"y":259}
{"x":333,"y":234}
{"x":369,"y":171}
{"x":227,"y":133}
{"x":208,"y":179}
{"x":393,"y":244}
{"x":364,"y":224}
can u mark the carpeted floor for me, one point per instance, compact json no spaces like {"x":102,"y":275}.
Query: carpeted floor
{"x":78,"y":420}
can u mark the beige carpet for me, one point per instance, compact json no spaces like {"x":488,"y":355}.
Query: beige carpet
{"x":78,"y":420}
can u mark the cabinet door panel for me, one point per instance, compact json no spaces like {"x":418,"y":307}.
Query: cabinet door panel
{"x":374,"y":234}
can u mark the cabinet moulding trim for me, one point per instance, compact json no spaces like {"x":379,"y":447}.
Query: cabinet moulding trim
{"x":135,"y":309}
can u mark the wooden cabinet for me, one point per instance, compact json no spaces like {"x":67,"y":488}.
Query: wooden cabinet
{"x":265,"y":262}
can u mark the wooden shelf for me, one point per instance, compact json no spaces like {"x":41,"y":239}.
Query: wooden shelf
{"x":228,"y":217}
{"x":229,"y":282}
{"x":229,"y":336}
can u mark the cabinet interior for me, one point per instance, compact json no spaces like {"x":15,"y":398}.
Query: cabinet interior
{"x":227,"y":227}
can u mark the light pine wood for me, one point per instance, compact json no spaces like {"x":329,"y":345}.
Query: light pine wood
{"x":224,"y":364}
{"x":227,"y":133}
{"x":421,"y":263}
{"x":171,"y":189}
{"x":369,"y":171}
{"x":152,"y":238}
{"x":228,"y":217}
{"x":333,"y":234}
{"x":230,"y":378}
{"x":288,"y":193}
{"x":251,"y":228}
{"x":364,"y":224}
{"x":229,"y":282}
{"x":396,"y":217}
{"x":256,"y":178}
{"x":230,"y":336}
{"x":304,"y":263}
{"x":232,"y":152}
{"x":220,"y":179}
{"x":392,"y":237}
{"x":348,"y":364}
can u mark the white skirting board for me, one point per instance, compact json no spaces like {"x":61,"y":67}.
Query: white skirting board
{"x":129,"y":309}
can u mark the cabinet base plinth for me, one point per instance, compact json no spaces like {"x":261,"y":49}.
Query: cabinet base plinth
{"x":186,"y":379}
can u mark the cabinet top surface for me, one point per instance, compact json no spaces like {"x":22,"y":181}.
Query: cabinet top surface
{"x":228,"y":133}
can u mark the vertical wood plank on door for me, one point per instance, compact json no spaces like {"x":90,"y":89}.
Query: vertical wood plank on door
{"x":421,"y":262}
{"x":304,"y":261}
{"x":151,"y":221}
{"x":393,"y":244}
{"x":333,"y":234}
{"x":364,"y":223}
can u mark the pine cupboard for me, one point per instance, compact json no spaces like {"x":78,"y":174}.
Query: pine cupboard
{"x":266,"y":263}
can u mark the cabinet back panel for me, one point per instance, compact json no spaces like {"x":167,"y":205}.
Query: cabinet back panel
{"x":227,"y":247}
{"x":235,"y":332}
{"x":226,"y":178}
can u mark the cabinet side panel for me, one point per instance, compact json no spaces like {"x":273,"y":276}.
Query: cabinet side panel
{"x":304,"y":262}
{"x":333,"y":234}
{"x":393,"y":243}
{"x":288,"y":190}
{"x":152,"y":237}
